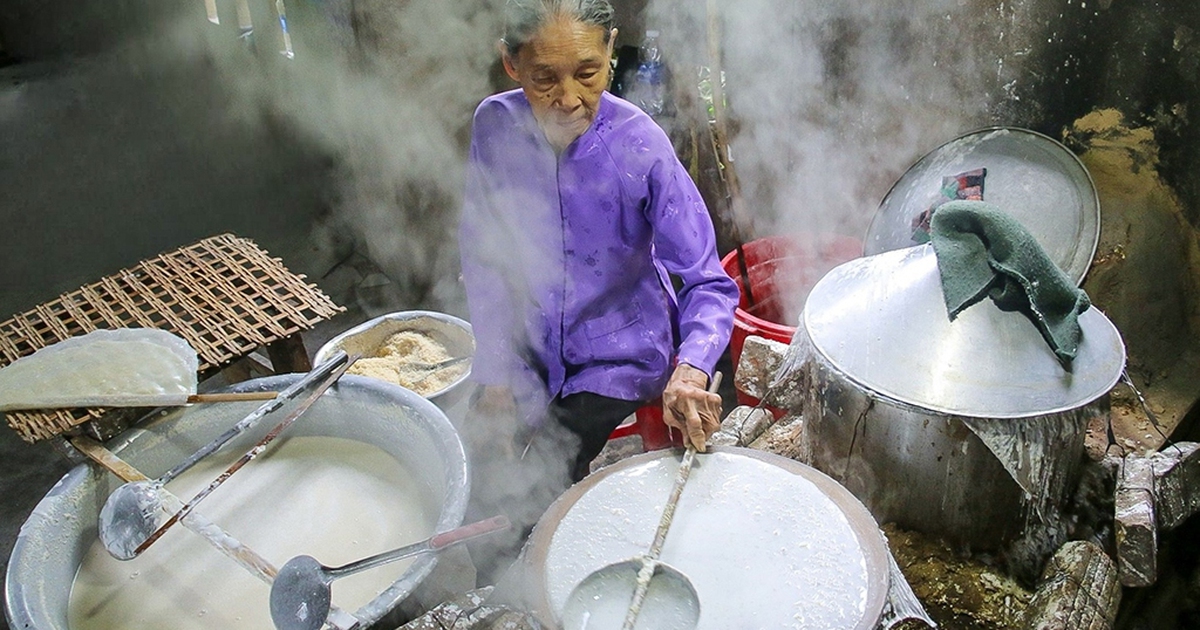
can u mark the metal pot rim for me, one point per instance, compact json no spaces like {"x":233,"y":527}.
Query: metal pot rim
{"x":22,"y":604}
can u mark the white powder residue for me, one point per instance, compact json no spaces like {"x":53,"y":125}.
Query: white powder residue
{"x":335,"y":499}
{"x":763,"y":546}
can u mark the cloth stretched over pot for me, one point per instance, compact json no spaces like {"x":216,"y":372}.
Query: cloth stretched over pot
{"x":902,"y":604}
{"x":1027,"y":448}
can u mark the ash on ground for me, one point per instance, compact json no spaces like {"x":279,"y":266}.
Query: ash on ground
{"x":959,"y":591}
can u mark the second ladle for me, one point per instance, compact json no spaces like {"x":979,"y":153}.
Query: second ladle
{"x":601,"y":600}
{"x":301,"y":593}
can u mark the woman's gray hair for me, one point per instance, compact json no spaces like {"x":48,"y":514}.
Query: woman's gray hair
{"x":523,"y":18}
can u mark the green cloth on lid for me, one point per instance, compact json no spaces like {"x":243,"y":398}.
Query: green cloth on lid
{"x":983,"y":251}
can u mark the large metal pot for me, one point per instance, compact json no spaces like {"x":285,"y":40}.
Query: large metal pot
{"x":766,"y":541}
{"x":52,"y":542}
{"x":950,"y":428}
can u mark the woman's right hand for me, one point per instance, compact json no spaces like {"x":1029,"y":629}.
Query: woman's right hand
{"x":689,"y":407}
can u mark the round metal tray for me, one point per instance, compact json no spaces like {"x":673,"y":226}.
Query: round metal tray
{"x":1029,"y":175}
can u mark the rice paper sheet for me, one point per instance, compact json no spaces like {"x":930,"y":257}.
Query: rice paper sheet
{"x":126,"y":367}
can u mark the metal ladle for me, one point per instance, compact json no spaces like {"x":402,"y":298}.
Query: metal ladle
{"x":601,"y":600}
{"x":132,"y":517}
{"x":642,"y":587}
{"x":301,"y":593}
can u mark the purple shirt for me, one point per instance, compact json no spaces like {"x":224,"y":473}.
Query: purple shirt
{"x":565,"y":257}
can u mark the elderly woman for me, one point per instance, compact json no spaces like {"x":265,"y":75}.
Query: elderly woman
{"x":576,"y":216}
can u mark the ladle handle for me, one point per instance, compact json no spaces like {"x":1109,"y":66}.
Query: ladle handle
{"x":231,"y":397}
{"x":318,"y":373}
{"x":467,"y":532}
{"x":259,"y":566}
{"x":664,"y":524}
{"x":296,"y":412}
{"x":440,"y":541}
{"x":685,"y":470}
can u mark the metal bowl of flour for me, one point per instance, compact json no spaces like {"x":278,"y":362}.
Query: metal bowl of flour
{"x":449,"y":331}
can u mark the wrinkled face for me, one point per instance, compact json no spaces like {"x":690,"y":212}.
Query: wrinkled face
{"x":563,"y":70}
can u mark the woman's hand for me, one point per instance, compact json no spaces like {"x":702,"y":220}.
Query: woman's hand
{"x":497,"y":408}
{"x":689,"y":407}
{"x":495,"y":400}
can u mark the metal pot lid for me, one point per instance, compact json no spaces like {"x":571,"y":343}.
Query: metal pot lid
{"x":766,"y":541}
{"x":1029,"y":175}
{"x":882,"y":322}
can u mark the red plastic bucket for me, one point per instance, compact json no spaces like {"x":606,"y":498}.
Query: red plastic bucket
{"x":781,"y":271}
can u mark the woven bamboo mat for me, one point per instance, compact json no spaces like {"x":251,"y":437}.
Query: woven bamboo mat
{"x":224,"y":295}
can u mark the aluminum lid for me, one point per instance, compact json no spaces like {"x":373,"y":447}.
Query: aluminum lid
{"x":882,"y":321}
{"x":1029,"y":175}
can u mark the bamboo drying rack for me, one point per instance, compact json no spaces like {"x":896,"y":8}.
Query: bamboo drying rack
{"x":224,"y":295}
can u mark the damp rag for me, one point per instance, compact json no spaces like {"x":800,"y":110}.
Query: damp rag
{"x":981,"y":251}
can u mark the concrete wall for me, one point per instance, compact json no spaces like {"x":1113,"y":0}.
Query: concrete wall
{"x":118,"y":146}
{"x":132,"y":127}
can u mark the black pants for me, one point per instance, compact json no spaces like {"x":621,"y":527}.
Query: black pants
{"x":546,"y":461}
{"x":592,"y":418}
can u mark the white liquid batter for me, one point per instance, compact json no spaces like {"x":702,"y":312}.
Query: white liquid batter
{"x":337,"y":500}
{"x":763,"y":546}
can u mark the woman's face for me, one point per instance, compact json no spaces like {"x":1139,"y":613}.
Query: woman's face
{"x":563,"y":69}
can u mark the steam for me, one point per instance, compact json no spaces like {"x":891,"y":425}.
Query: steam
{"x":389,"y":105}
{"x":833,"y":101}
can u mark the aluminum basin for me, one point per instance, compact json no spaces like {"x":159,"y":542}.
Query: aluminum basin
{"x":61,"y":528}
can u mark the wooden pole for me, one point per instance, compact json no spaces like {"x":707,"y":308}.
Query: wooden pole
{"x":721,"y":145}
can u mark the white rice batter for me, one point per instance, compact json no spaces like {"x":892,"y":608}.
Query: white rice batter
{"x":764,"y":547}
{"x":335,"y":499}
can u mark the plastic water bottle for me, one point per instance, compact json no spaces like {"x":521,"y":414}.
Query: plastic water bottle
{"x":649,"y":87}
